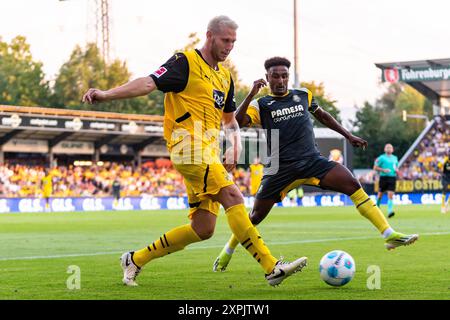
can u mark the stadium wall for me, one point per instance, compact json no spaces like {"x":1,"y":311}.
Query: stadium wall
{"x":17,"y":205}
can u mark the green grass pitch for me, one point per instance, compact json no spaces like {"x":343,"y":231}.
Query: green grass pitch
{"x":37,"y":249}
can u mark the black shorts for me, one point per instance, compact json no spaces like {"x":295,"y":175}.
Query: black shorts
{"x":445,"y":183}
{"x":387,"y":184}
{"x":290,"y":175}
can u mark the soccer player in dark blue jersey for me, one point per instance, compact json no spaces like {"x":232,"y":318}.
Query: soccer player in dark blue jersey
{"x":287,"y":113}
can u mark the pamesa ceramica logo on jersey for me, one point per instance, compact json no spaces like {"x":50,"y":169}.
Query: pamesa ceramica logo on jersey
{"x":219,"y":99}
{"x":284,"y":114}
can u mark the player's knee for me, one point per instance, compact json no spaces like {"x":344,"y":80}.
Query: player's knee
{"x":233,"y":197}
{"x":205,"y":232}
{"x":352,"y":185}
{"x":236,"y":195}
{"x":255,"y":217}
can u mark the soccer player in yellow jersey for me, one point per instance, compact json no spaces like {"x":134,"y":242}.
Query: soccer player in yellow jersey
{"x":445,"y":178}
{"x":199,"y":96}
{"x":256,"y":174}
{"x":47,"y":188}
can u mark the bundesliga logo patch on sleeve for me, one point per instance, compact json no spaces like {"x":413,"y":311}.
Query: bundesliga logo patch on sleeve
{"x":158,"y":73}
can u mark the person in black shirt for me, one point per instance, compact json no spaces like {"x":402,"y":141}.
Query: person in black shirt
{"x":445,"y":179}
{"x":116,"y":192}
{"x":294,"y":158}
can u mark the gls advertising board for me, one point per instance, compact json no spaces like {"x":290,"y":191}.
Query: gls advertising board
{"x":15,"y":205}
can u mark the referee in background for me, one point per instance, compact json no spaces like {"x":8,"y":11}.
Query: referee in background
{"x":387,"y":166}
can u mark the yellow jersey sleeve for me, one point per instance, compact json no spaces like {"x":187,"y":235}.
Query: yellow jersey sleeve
{"x":253,"y":113}
{"x":312,"y":103}
{"x":441,"y":164}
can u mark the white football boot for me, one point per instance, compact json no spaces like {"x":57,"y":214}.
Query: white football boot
{"x":284,"y":269}
{"x":130,"y":270}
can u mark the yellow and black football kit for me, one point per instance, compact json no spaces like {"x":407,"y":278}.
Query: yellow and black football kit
{"x":196,"y":95}
{"x":294,"y":157}
{"x":256,"y":174}
{"x":445,"y":174}
{"x":47,"y":186}
{"x":445,"y":179}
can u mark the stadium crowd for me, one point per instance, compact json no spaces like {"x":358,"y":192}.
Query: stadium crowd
{"x":157,"y":178}
{"x":427,"y":158}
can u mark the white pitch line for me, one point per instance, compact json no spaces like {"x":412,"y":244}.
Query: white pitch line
{"x":207,"y":247}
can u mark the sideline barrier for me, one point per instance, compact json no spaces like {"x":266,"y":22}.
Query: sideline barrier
{"x":16,"y":205}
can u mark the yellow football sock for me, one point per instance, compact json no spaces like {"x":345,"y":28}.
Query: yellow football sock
{"x":233,"y":242}
{"x":443,"y":200}
{"x":369,"y":209}
{"x":249,"y":237}
{"x":172,"y":241}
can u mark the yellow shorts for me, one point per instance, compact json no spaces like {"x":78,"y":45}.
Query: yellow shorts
{"x":203,"y":180}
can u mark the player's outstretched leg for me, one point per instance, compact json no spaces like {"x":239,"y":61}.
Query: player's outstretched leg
{"x":224,"y":258}
{"x":447,"y":204}
{"x":443,"y":204}
{"x":241,"y":226}
{"x":261,"y":209}
{"x":172,"y":241}
{"x":340,"y":179}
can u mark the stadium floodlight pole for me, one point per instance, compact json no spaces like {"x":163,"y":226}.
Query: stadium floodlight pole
{"x":102,"y":19}
{"x":296,"y":63}
{"x":406,"y":115}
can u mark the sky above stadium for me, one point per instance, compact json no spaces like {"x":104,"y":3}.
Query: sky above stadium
{"x":339,"y":41}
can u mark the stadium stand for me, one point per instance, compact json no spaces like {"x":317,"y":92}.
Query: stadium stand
{"x":156,"y":178}
{"x":93,"y":180}
{"x":423,"y":158}
{"x":88,"y":150}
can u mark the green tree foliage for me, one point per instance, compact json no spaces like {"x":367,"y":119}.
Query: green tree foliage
{"x":21,"y":78}
{"x":382,"y":123}
{"x":367,"y":123}
{"x":324,"y":101}
{"x":86,"y":69}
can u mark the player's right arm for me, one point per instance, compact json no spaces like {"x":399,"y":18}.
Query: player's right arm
{"x":241,"y":115}
{"x":138,"y":87}
{"x":172,"y":76}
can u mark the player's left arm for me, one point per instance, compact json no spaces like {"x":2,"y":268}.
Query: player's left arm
{"x":327,"y":120}
{"x":232,"y":132}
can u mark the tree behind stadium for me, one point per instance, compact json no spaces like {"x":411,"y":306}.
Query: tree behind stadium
{"x":382,"y":123}
{"x":86,"y":69}
{"x":22,"y":80}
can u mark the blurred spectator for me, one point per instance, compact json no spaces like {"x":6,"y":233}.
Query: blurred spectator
{"x":336,"y":156}
{"x":75,"y":181}
{"x":423,"y":162}
{"x":157,"y":178}
{"x":365,"y":176}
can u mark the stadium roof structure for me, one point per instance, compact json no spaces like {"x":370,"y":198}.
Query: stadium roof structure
{"x":55,"y":125}
{"x":59,"y":131}
{"x":50,"y":130}
{"x":430,"y":77}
